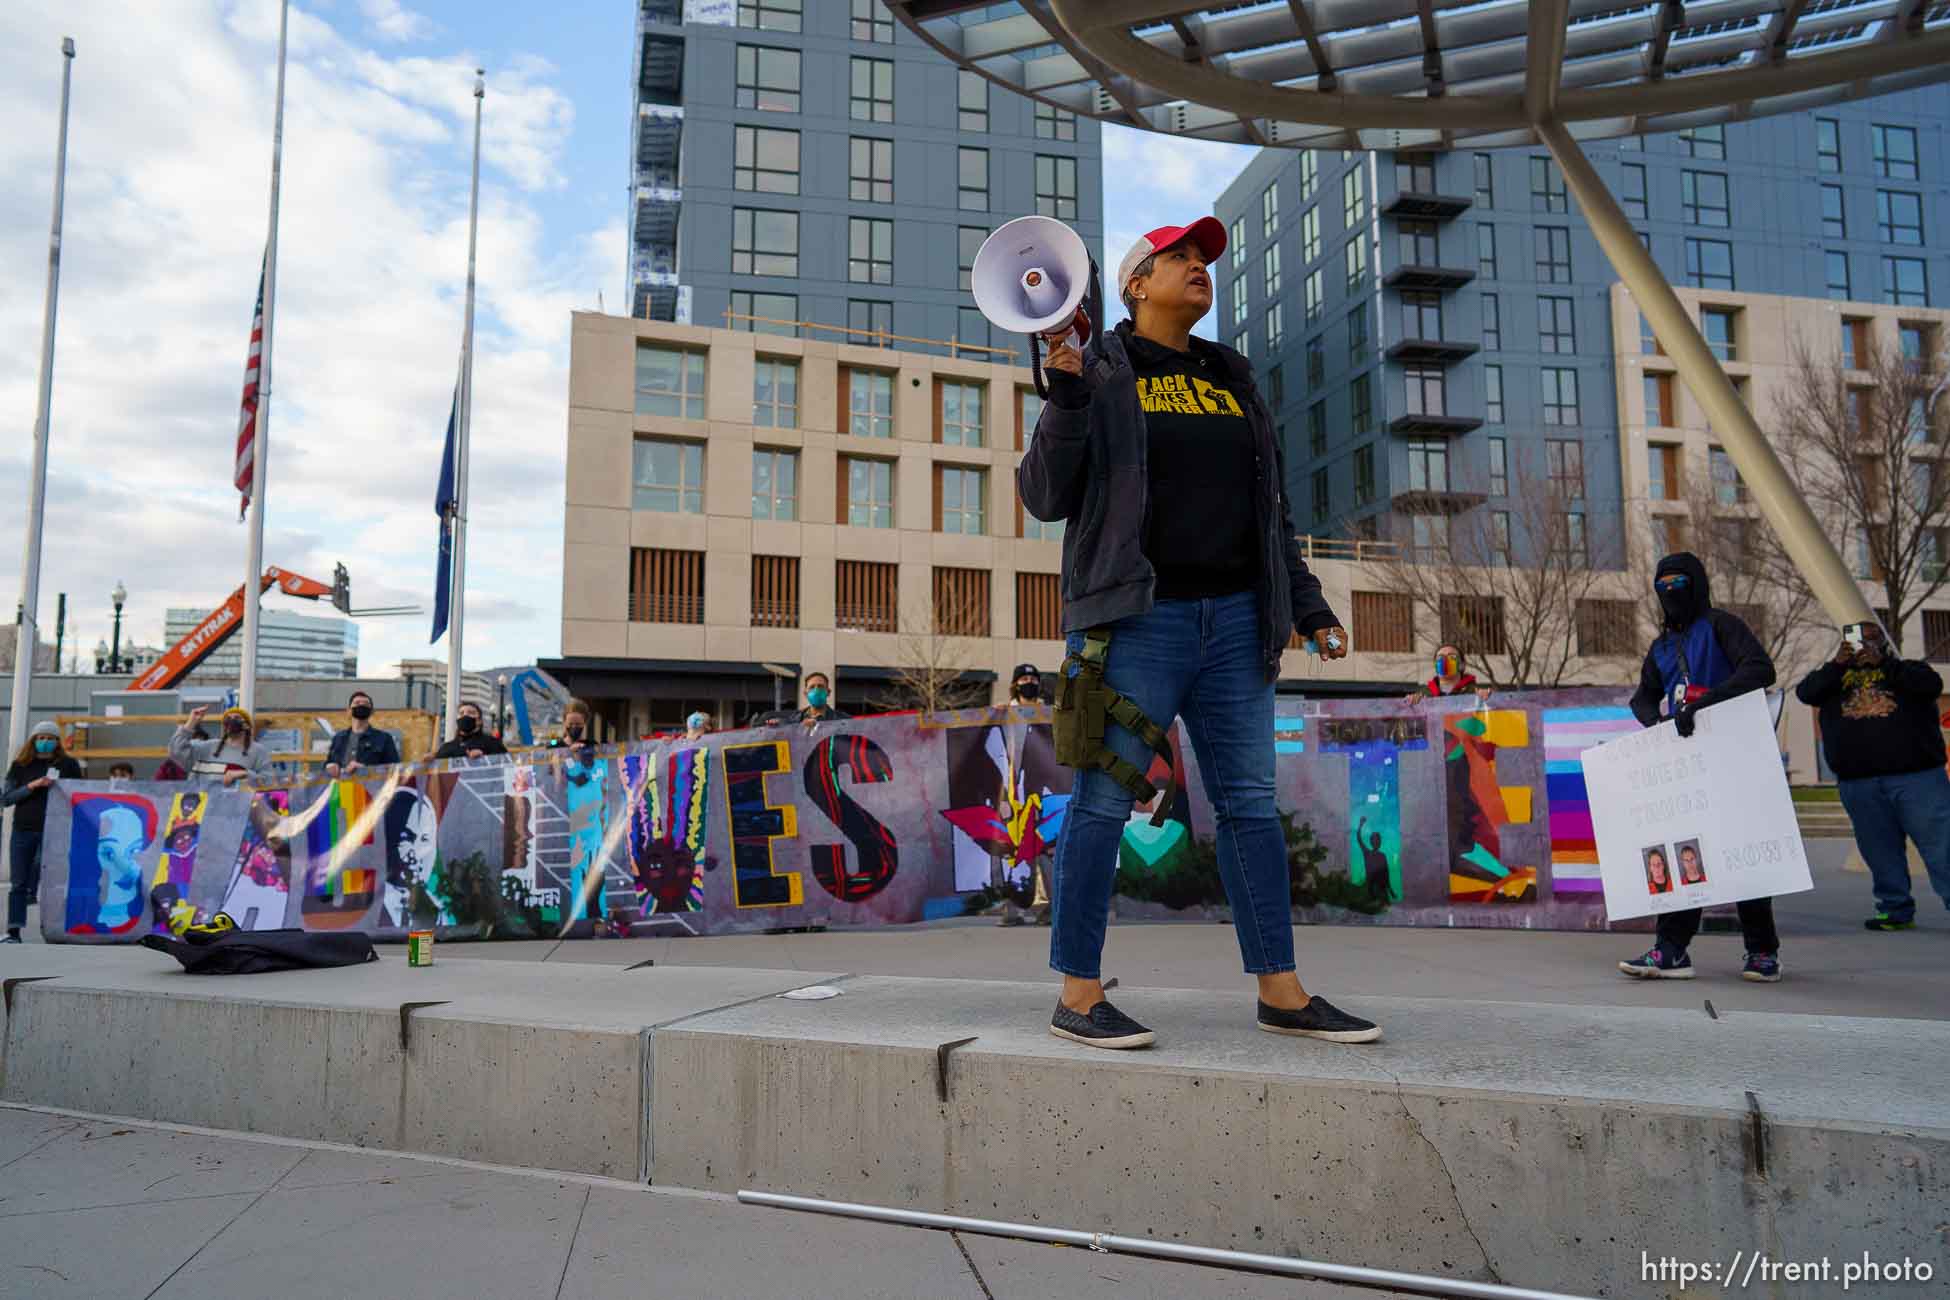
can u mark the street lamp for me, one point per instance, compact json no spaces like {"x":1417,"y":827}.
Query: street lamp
{"x":101,"y":656}
{"x":500,"y":704}
{"x":119,"y":595}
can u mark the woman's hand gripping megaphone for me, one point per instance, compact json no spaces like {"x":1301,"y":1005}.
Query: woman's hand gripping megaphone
{"x":1063,"y":354}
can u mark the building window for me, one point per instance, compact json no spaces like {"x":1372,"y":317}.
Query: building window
{"x":1547,"y":187}
{"x":866,"y":596}
{"x":972,"y":180}
{"x":969,"y":241}
{"x":872,"y":22}
{"x":1895,"y":151}
{"x":1564,"y":459}
{"x":1054,"y":123}
{"x":775,"y":484}
{"x":1492,"y":323}
{"x":1310,"y":234}
{"x":1270,"y":268}
{"x":1309,"y":174}
{"x":1355,"y":256}
{"x":871,"y":170}
{"x":1418,"y":243}
{"x":1554,"y":254}
{"x":1275,"y":389}
{"x":1936,"y":635}
{"x":1321,"y":496}
{"x":1354,"y":192}
{"x":775,"y":591}
{"x":1703,"y":198}
{"x":1658,"y":402}
{"x":1855,"y":342}
{"x":869,"y":488}
{"x":1428,"y":465}
{"x":1039,"y":607}
{"x":972,"y":101}
{"x":765,"y":160}
{"x":1729,"y":489}
{"x":1669,"y":533}
{"x":1709,"y":264}
{"x":1424,"y":390}
{"x":1899,"y":217}
{"x":1473,"y":624}
{"x":1240,"y":307}
{"x":1717,"y":324}
{"x":1317,"y":429}
{"x":1560,"y":396}
{"x":1357,"y":334}
{"x":1029,"y":410}
{"x":1828,"y":145}
{"x":1238,"y":244}
{"x":669,"y":381}
{"x":1242,"y":343}
{"x":1486,"y":251}
{"x":768,"y":79}
{"x":1493,"y":394}
{"x":971,"y":327}
{"x":1269,"y":212}
{"x":775,"y":393}
{"x":1648,"y":341}
{"x":1838,"y":286}
{"x":1905,"y":282}
{"x":1485,"y":181}
{"x":669,"y":476}
{"x":1056,"y":187}
{"x":1421,"y":315}
{"x":1662,"y":472}
{"x":1557,"y":327}
{"x":1834,"y":221}
{"x":1415,"y":173}
{"x":1361,"y":403}
{"x":766,"y":313}
{"x":1384,"y":622}
{"x":769,"y":15}
{"x":872,"y":97}
{"x":870,"y":250}
{"x":960,"y":500}
{"x":1364,"y":475}
{"x":1316,"y":361}
{"x":666,"y":586}
{"x":1499,"y":468}
{"x":764,"y":242}
{"x":1500,"y":538}
{"x":1632,"y":192}
{"x":961,"y":412}
{"x":1704,"y":141}
{"x":1314,"y":290}
{"x":1607,"y":627}
{"x":870,"y":403}
{"x":1276,"y":321}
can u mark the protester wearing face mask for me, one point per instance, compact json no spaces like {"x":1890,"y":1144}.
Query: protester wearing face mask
{"x":40,"y":762}
{"x":234,"y":756}
{"x":697,"y":726}
{"x":1451,"y":678}
{"x":575,"y":729}
{"x":471,"y":738}
{"x":819,"y":695}
{"x":1027,"y":687}
{"x":361,"y":745}
{"x":120,"y":775}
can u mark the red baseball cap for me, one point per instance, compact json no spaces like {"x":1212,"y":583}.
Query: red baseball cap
{"x":1209,"y":233}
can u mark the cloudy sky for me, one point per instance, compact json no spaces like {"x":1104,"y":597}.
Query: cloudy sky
{"x":168,"y":171}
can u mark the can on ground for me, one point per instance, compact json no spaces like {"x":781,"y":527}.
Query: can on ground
{"x":419,"y":948}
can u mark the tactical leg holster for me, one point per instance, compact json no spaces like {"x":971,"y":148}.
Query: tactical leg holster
{"x":1085,"y":704}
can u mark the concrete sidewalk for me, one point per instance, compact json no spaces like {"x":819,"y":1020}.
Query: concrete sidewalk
{"x":99,"y":1210}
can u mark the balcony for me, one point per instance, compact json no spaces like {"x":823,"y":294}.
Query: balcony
{"x":1441,"y":279}
{"x":1433,"y":426}
{"x":1439,"y":352}
{"x":660,"y":77}
{"x":659,"y":139}
{"x":1423,"y":206}
{"x":657,"y":210}
{"x":1424,"y":501}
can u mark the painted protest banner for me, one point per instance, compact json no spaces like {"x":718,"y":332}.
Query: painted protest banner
{"x":1693,"y":822}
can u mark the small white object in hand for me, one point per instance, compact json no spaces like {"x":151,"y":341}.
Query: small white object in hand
{"x":812,"y":993}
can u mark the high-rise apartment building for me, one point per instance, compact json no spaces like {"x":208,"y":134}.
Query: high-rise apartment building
{"x":1436,"y":329}
{"x":815,"y":161}
{"x":288,"y":645}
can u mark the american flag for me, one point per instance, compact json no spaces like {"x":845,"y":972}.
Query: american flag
{"x":247,"y":417}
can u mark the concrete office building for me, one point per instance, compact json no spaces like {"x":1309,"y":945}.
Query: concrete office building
{"x":814,"y":161}
{"x":289,"y":645}
{"x":1436,"y":328}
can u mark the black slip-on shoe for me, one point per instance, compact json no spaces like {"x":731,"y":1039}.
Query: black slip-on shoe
{"x":1105,"y":1026}
{"x":1318,"y":1019}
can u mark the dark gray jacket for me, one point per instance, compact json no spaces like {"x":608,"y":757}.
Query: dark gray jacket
{"x":1086,"y":465}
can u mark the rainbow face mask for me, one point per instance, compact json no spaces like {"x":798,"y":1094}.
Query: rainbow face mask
{"x":1448,"y":666}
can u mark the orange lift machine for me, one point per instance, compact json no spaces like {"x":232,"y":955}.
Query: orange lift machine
{"x":224,"y":621}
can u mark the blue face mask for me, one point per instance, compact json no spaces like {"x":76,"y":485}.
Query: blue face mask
{"x":694,"y":722}
{"x":816,"y":696}
{"x":44,"y":745}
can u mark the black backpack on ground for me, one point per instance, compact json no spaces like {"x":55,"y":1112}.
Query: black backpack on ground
{"x":219,"y":948}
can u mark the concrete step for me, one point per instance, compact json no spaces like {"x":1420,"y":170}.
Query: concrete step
{"x":1543,"y":1145}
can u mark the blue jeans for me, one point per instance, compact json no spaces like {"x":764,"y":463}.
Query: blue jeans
{"x":1200,"y":660}
{"x":1884,"y":809}
{"x":24,"y":866}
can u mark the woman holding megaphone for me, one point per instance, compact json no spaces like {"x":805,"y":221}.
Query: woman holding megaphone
{"x":1182,"y":582}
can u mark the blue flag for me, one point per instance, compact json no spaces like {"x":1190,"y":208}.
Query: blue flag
{"x":444,"y":505}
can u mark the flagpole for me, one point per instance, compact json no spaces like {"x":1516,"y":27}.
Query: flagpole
{"x":260,"y":439}
{"x":458,"y":597}
{"x":27,"y":629}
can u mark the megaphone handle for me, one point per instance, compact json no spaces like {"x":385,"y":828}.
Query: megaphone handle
{"x":1036,"y":369}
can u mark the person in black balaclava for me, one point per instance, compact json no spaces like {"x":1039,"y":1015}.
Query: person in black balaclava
{"x":1701,"y":656}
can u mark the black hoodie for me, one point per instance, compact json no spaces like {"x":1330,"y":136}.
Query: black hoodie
{"x":1700,"y":646}
{"x":1877,"y":719}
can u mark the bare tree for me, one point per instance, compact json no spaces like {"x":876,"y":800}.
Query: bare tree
{"x":934,"y":661}
{"x":1866,"y":447}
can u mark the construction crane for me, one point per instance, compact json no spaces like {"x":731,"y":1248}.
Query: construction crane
{"x":223,"y":622}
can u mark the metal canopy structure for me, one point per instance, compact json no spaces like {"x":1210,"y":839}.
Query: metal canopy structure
{"x":1439,"y":74}
{"x":1436,"y":74}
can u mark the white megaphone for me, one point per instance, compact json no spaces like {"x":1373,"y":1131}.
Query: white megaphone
{"x":1030,"y":277}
